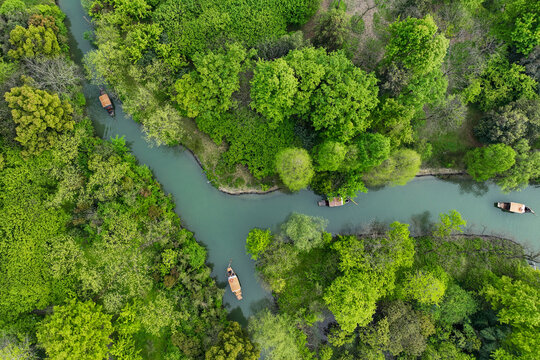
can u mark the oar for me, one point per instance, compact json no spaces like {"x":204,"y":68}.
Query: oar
{"x":354,"y":202}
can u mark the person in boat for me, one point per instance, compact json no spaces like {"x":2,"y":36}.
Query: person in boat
{"x":234,"y":283}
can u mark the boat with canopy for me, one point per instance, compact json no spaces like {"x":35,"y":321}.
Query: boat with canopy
{"x":514,"y":207}
{"x":234,"y":283}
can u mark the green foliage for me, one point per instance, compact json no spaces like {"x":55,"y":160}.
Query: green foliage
{"x":342,"y":100}
{"x":526,"y":168}
{"x":294,"y":168}
{"x":352,"y":299}
{"x":330,"y":156}
{"x":510,"y":123}
{"x":6,"y":69}
{"x":369,"y":150}
{"x":30,"y":278}
{"x":500,"y":84}
{"x":485,"y":162}
{"x":233,"y":344}
{"x":257,"y":242}
{"x":456,"y":306}
{"x":415,"y":44}
{"x":76,"y":330}
{"x":393,"y":120}
{"x":407,"y":331}
{"x":427,"y":288}
{"x":247,"y":131}
{"x":401,"y":167}
{"x":448,"y":224}
{"x":369,"y":269}
{"x":298,"y":11}
{"x":40,"y":117}
{"x":9,"y":6}
{"x":306,"y":232}
{"x":32,"y":42}
{"x":194,"y":28}
{"x":273,"y":89}
{"x":333,"y":95}
{"x":519,"y":24}
{"x":206,"y":93}
{"x":332,"y":29}
{"x":517,"y":305}
{"x":277,"y":336}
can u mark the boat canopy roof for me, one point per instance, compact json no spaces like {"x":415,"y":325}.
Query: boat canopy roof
{"x":517,"y":207}
{"x":105,"y":101}
{"x":335,"y":201}
{"x":234,"y":283}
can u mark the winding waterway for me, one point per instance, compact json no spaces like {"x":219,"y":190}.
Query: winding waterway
{"x":221,"y":222}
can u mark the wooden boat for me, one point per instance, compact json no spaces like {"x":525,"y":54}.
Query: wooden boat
{"x":333,"y":202}
{"x":514,"y":207}
{"x":106,"y":102}
{"x":234,"y":283}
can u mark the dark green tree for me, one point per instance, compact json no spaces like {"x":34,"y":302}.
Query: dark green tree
{"x":233,"y":344}
{"x":332,"y":29}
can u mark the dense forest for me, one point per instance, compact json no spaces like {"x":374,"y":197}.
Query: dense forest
{"x":337,"y":97}
{"x":383,"y":294}
{"x":94,"y":263}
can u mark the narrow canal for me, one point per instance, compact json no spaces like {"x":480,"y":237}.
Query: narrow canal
{"x":221,"y":222}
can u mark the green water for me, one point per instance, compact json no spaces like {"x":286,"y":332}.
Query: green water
{"x":221,"y":222}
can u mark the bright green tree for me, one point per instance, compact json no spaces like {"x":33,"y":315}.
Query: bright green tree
{"x":499,"y":84}
{"x":425,"y":287}
{"x":306,"y":232}
{"x":371,"y":150}
{"x":527,"y":167}
{"x":40,"y":117}
{"x":257,"y":242}
{"x":330,"y":155}
{"x":342,"y":103}
{"x":415,"y":44}
{"x":76,"y":330}
{"x":233,"y":344}
{"x":278,"y":336}
{"x":519,"y":24}
{"x":401,"y":167}
{"x":9,"y":6}
{"x":448,"y":224}
{"x":352,"y":299}
{"x":393,"y":120}
{"x":333,"y":94}
{"x":33,"y":41}
{"x":485,"y":162}
{"x":205,"y":93}
{"x":294,"y":168}
{"x":273,"y":89}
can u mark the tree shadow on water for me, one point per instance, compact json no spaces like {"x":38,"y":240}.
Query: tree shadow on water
{"x":468,"y":186}
{"x":421,"y":224}
{"x":237,"y":315}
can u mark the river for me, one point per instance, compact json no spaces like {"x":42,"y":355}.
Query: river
{"x":221,"y":222}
